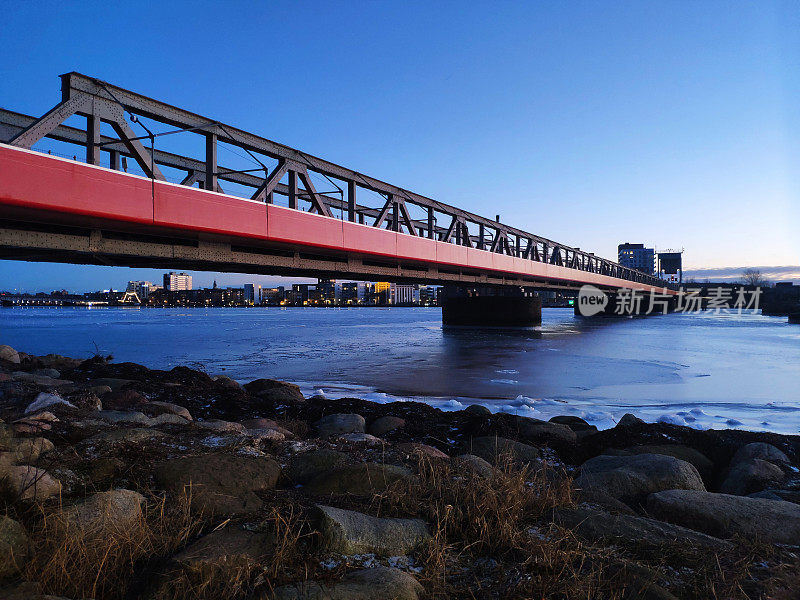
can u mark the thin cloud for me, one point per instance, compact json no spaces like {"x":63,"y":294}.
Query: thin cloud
{"x":726,"y":274}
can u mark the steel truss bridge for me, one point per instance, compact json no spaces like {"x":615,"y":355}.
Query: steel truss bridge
{"x":275,"y":222}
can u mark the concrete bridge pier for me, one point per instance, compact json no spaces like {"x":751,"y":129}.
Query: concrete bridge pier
{"x":486,"y":306}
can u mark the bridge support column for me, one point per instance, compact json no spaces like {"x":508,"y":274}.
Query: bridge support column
{"x":484,"y":306}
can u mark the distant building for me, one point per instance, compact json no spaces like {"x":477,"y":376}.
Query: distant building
{"x":177,"y":282}
{"x":274,"y":295}
{"x":636,"y":256}
{"x":382,"y":293}
{"x":142,"y":289}
{"x":252,"y":293}
{"x":428,"y":295}
{"x":405,"y":294}
{"x":355,"y":292}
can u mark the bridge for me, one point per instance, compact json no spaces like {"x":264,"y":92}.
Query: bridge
{"x":123,"y":199}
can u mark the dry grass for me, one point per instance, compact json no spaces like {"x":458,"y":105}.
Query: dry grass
{"x":101,"y":562}
{"x":506,"y":518}
{"x":477,"y":518}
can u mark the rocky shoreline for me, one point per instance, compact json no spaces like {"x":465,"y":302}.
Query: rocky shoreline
{"x":119,"y":481}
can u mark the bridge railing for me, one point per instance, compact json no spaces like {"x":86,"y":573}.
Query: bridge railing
{"x":277,"y":170}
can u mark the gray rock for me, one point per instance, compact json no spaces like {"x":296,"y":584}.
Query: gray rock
{"x":42,"y":380}
{"x":598,"y":525}
{"x":128,"y":417}
{"x":340,"y":423}
{"x":115,"y":509}
{"x":628,"y":420}
{"x":227,"y":382}
{"x":220,"y":426}
{"x":777,"y":494}
{"x":574,"y":423}
{"x":703,"y":465}
{"x":304,"y":467}
{"x":126,"y":435}
{"x":100,"y":390}
{"x":478,"y":410}
{"x":44,"y":400}
{"x":275,"y":391}
{"x":229,"y":546}
{"x":412,"y":449}
{"x":544,"y":432}
{"x":631,"y":478}
{"x":265,"y":434}
{"x":762,"y":451}
{"x":61,"y":363}
{"x":28,"y":450}
{"x":167,"y":419}
{"x":723,"y":515}
{"x":383,"y":425}
{"x":361,"y":479}
{"x":114,"y":383}
{"x":14,"y":546}
{"x":156,"y":408}
{"x":749,"y":476}
{"x":51,"y":373}
{"x":377,"y":583}
{"x":350,"y":532}
{"x":219,"y":483}
{"x":469,"y":463}
{"x":492,"y":448}
{"x":9,"y":354}
{"x":361,"y":438}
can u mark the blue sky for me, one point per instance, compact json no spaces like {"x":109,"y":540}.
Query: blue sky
{"x":593,"y":123}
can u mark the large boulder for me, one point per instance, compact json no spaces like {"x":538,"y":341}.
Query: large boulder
{"x":629,"y":420}
{"x":478,"y":410}
{"x":8,"y":354}
{"x":115,"y":509}
{"x":304,"y":467}
{"x":492,"y":448}
{"x":350,"y":532}
{"x":219,"y":483}
{"x":14,"y":546}
{"x":275,"y":391}
{"x":750,"y":476}
{"x":545,"y":432}
{"x":361,"y":479}
{"x":471,"y":464}
{"x":338,"y":424}
{"x":377,"y":583}
{"x":761,"y":451}
{"x":631,"y":478}
{"x":29,"y":483}
{"x":383,"y":425}
{"x":723,"y":515}
{"x":703,"y":465}
{"x":598,"y":525}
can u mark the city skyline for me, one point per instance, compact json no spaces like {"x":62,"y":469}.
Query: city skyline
{"x":642,"y":123}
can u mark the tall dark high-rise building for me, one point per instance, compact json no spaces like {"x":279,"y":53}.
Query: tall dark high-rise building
{"x":636,"y":256}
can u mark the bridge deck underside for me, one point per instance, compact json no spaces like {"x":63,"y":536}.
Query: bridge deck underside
{"x":53,"y":209}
